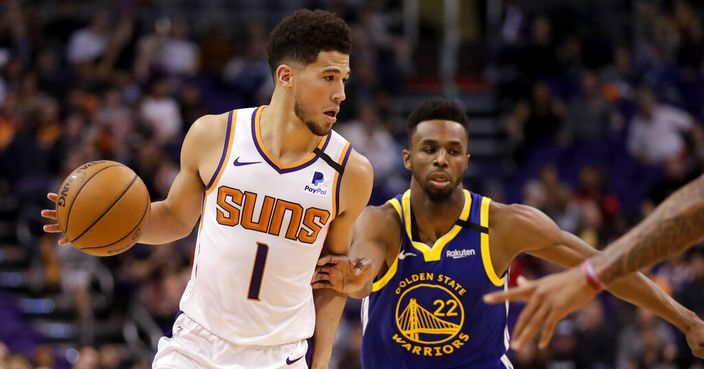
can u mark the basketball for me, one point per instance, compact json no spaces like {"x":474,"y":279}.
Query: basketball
{"x":101,"y":208}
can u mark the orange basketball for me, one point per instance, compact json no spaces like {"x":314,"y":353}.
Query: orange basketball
{"x":102,"y":207}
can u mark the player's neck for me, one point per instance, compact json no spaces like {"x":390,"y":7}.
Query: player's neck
{"x":433,"y":218}
{"x":284,"y":135}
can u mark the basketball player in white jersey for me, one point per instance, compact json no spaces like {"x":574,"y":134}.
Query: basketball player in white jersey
{"x":274,"y":188}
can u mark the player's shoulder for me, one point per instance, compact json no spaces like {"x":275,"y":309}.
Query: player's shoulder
{"x":358,"y":175}
{"x":210,"y":122}
{"x":518,"y":221}
{"x":359,"y":168}
{"x":510,"y":215}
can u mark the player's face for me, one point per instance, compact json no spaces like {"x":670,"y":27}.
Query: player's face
{"x":319,"y":89}
{"x":437,"y":157}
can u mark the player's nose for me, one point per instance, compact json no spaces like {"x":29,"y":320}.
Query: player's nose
{"x":339,"y":94}
{"x":440,"y":159}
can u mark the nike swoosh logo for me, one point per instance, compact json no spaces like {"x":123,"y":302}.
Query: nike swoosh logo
{"x":403,"y":255}
{"x":290,"y":362}
{"x":239,"y":163}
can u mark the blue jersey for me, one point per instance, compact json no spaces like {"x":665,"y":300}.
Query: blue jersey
{"x":427,"y":310}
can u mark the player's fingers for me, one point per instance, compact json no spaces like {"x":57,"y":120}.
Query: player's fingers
{"x":317,"y":276}
{"x":324,"y":260}
{"x":548,"y":330}
{"x":522,"y":281}
{"x":52,"y":196}
{"x":49,"y":214}
{"x":530,"y":327}
{"x":320,"y":285}
{"x":51,"y":228}
{"x":522,"y":293}
{"x":526,"y":315}
{"x":331,"y":259}
{"x":64,"y":242}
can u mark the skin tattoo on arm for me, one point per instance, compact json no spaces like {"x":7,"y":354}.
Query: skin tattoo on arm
{"x":674,"y":226}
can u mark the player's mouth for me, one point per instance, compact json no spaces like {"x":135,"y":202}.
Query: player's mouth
{"x":439,"y":180}
{"x":331,"y":115}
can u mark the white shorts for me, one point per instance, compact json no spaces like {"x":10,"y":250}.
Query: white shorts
{"x":194,"y":347}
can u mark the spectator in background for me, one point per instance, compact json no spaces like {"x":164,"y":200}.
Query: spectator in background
{"x":676,"y":176}
{"x":249,"y":74}
{"x":161,"y":113}
{"x":215,"y":48}
{"x":148,"y":47}
{"x":17,"y":362}
{"x":372,"y":138}
{"x":691,"y":294}
{"x":538,"y":59}
{"x":589,"y":116}
{"x":646,"y":343}
{"x":656,"y":132}
{"x":596,"y":337}
{"x":88,"y":358}
{"x":178,"y":56}
{"x":88,"y":44}
{"x":563,"y":347}
{"x":44,"y":357}
{"x":536,"y":122}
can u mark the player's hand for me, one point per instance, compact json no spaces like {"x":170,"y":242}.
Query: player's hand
{"x":49,"y":214}
{"x":695,"y":339}
{"x":549,"y":300}
{"x":342,"y":274}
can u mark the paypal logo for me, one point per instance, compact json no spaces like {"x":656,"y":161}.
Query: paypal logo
{"x":318,"y":185}
{"x":318,"y":178}
{"x":315,"y":190}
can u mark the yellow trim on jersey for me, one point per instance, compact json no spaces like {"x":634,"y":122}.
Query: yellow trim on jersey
{"x":397,"y":205}
{"x":260,"y":141}
{"x":227,"y":154}
{"x":434,"y":253}
{"x":376,"y":286}
{"x":486,"y":253}
{"x":335,"y":179}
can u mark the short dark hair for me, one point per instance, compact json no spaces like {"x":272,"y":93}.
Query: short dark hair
{"x":437,"y":109}
{"x":302,"y":35}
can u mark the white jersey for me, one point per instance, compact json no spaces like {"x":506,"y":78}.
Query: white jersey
{"x":262,"y":229}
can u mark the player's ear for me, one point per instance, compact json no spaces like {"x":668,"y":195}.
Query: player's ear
{"x":407,"y":159}
{"x":284,"y":76}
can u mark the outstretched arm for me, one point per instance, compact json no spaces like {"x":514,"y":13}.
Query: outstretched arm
{"x":356,"y":188}
{"x":174,"y":217}
{"x":674,"y":226}
{"x":565,"y":249}
{"x":376,"y":232}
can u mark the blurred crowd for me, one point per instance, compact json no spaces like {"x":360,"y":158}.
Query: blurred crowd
{"x":600,"y":104}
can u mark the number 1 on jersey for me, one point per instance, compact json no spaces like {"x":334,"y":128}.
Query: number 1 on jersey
{"x":255,"y":283}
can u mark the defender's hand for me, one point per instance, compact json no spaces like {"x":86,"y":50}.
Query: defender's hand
{"x":549,"y":300}
{"x":49,"y":214}
{"x":695,"y":339}
{"x":342,"y":274}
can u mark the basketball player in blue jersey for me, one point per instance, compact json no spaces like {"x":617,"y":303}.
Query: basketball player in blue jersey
{"x":438,"y":248}
{"x":274,"y":187}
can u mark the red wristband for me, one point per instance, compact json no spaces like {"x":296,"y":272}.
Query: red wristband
{"x":592,"y":278}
